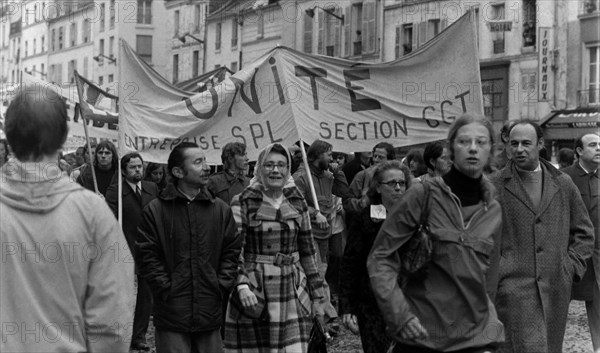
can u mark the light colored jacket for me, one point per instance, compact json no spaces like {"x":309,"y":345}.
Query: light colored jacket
{"x":454,"y":302}
{"x":66,"y":277}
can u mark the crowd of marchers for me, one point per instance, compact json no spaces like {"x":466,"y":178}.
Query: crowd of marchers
{"x":251,"y":259}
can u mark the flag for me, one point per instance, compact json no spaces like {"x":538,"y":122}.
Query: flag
{"x":96,"y":104}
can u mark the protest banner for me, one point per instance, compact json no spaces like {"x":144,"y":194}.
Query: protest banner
{"x":286,"y":96}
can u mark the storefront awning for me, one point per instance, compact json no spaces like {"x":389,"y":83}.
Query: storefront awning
{"x":570,"y":124}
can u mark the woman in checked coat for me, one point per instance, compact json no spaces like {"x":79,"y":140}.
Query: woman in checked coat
{"x":278,"y":278}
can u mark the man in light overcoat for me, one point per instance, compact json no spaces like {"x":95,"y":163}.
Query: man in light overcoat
{"x":547,"y":238}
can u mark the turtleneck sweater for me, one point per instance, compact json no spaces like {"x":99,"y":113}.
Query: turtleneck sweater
{"x":467,"y":189}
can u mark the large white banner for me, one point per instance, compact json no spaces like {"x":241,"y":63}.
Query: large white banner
{"x":286,"y":95}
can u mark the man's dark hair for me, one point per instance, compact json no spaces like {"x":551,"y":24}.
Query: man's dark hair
{"x":230,"y":151}
{"x":433,"y":150}
{"x":36,"y":123}
{"x":566,"y":157}
{"x":106,"y":144}
{"x":579,"y":142}
{"x":317,"y":149}
{"x":128,"y":157}
{"x":177,"y":157}
{"x":538,"y":130}
{"x":389,"y":150}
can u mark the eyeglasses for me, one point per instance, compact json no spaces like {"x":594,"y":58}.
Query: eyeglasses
{"x":393,"y":183}
{"x":480,"y":142}
{"x":271,"y":166}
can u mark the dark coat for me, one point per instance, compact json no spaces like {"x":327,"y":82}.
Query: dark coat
{"x":352,"y":168}
{"x":225,"y":185}
{"x":542,"y":250}
{"x":103,"y":178}
{"x":132,"y":207}
{"x":188,"y":252}
{"x":588,"y":187}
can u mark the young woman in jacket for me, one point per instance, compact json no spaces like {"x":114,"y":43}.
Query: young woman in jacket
{"x":357,"y":303}
{"x":451,"y":308}
{"x":278,"y":278}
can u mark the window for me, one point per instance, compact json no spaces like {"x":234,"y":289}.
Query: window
{"x":73,"y":34}
{"x":234,"y":66}
{"x":53,"y":43}
{"x":101,"y":47}
{"x":100,"y":81}
{"x":529,"y":23}
{"x":61,"y":32}
{"x":330,"y":31}
{"x":175,"y":68}
{"x":356,"y":29}
{"x":407,"y":38}
{"x":176,"y":22}
{"x":234,"y":32}
{"x":144,"y":47}
{"x":112,"y":14}
{"x":35,"y":13}
{"x":26,"y":48}
{"x":398,"y":43}
{"x":87,"y":29}
{"x":218,"y":37}
{"x":195,"y":63}
{"x":144,"y":14}
{"x":594,"y":73}
{"x":111,"y":78}
{"x":72,"y":67}
{"x":111,"y":46}
{"x":102,"y":17}
{"x":369,"y":37}
{"x":433,"y":28}
{"x":197,"y":17}
{"x":43,"y":44}
{"x":308,"y":34}
{"x":260,"y":25}
{"x":34,"y":46}
{"x":498,"y":37}
{"x":492,"y":98}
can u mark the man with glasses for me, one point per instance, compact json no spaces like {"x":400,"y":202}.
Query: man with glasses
{"x":187,"y":250}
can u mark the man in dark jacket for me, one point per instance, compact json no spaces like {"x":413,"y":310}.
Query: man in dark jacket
{"x":136,"y":194}
{"x":232,"y":180}
{"x":188,"y":248}
{"x":586,"y":176}
{"x":361,"y":161}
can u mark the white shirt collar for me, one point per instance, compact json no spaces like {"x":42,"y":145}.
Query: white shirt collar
{"x":133,"y":186}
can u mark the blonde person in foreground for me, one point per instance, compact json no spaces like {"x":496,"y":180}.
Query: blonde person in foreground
{"x":450,"y":309}
{"x":66,"y":277}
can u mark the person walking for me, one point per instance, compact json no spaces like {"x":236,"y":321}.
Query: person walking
{"x":547,"y":238}
{"x":278,"y":282}
{"x":64,"y":287}
{"x":586,"y":176}
{"x":389,"y":182}
{"x":187,"y":250}
{"x":136,"y":194}
{"x":450,"y":309}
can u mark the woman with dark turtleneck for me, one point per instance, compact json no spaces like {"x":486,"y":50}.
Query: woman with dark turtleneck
{"x":451,"y":308}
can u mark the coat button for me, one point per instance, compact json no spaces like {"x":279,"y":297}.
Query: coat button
{"x":270,"y":230}
{"x":539,"y":278}
{"x":539,"y":249}
{"x":538,"y":220}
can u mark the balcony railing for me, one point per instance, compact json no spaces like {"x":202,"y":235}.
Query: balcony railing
{"x":588,"y":98}
{"x":499,"y":46}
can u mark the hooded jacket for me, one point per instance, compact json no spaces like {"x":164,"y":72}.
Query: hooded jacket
{"x":66,"y":277}
{"x":188,"y":252}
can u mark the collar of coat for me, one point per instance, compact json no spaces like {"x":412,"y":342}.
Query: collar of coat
{"x":254,"y":192}
{"x":265,"y":211}
{"x":511,"y":169}
{"x":583,"y":172}
{"x":488,"y":191}
{"x":171,"y":193}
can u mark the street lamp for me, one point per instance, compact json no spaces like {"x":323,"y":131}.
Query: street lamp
{"x":99,"y":57}
{"x":311,"y":13}
{"x":187,"y":34}
{"x":30,"y":72}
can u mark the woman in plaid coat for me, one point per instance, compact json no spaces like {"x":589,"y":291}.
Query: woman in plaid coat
{"x":278,"y":278}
